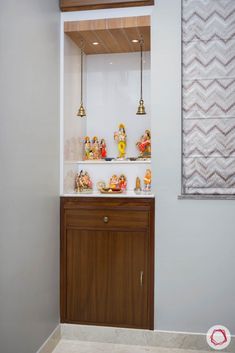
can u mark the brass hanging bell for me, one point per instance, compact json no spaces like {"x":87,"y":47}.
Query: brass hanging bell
{"x":81,"y":111}
{"x":141,"y":108}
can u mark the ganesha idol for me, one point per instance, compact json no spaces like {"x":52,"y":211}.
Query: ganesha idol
{"x":144,"y":145}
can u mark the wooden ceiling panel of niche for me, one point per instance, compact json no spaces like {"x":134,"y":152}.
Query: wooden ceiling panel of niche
{"x":113,"y":35}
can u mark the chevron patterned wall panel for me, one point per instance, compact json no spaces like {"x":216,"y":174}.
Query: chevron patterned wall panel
{"x":208,"y":66}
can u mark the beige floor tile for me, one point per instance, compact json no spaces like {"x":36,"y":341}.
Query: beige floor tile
{"x":69,"y":346}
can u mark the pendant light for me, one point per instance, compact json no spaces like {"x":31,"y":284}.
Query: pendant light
{"x":81,"y":110}
{"x":141,"y":107}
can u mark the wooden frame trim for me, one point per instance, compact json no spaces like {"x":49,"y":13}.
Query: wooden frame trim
{"x":63,"y":268}
{"x":70,"y":6}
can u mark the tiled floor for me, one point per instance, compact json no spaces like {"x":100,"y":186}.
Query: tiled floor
{"x":67,"y":346}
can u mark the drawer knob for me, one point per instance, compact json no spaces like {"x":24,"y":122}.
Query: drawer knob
{"x":106,"y":219}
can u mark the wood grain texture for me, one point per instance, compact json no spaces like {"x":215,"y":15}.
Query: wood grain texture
{"x":107,"y":219}
{"x":113,"y":35}
{"x":79,"y":5}
{"x":103,"y":277}
{"x":101,"y":266}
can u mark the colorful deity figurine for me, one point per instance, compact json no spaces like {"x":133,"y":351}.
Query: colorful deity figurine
{"x":83,"y":182}
{"x":87,"y":146}
{"x":144,"y":145}
{"x":120,"y":136}
{"x":103,"y":150}
{"x":147,"y":180}
{"x":114,"y":182}
{"x":122,"y":182}
{"x":95,"y":148}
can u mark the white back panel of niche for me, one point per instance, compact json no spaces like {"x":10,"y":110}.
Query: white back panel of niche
{"x":113,"y":89}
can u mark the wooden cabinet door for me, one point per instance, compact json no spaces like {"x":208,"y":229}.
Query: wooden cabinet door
{"x":107,"y":278}
{"x":76,"y":5}
{"x":128,"y":294}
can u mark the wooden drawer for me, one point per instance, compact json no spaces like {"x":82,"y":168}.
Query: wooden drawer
{"x":107,"y":218}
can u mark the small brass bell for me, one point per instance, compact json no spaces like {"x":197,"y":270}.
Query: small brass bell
{"x":81,"y":111}
{"x":141,"y":108}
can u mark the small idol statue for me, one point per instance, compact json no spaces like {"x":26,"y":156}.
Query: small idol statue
{"x":83,"y":182}
{"x":120,"y":136}
{"x":103,"y":151}
{"x":87,"y":146}
{"x":137,"y":186}
{"x":95,"y":148}
{"x":114,"y":182}
{"x":122,"y":182}
{"x":147,"y":180}
{"x":144,"y":145}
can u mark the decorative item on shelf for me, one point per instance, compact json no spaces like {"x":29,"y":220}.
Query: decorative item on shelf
{"x":114,"y":182}
{"x":93,"y":149}
{"x":87,"y":147}
{"x":144,"y":145}
{"x":122,"y":182}
{"x":141,"y":107}
{"x":120,"y":136}
{"x":109,"y":159}
{"x":103,"y":150}
{"x":81,"y":110}
{"x":137,"y":186}
{"x":101,"y":186}
{"x":83,"y":182}
{"x":147,"y":180}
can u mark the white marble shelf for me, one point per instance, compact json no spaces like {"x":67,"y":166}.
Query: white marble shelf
{"x":101,"y":162}
{"x":128,"y":194}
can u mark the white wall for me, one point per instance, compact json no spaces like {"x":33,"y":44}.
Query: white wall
{"x":113,"y":92}
{"x":74,"y":126}
{"x":195,"y":240}
{"x":111,"y":97}
{"x":29,"y":177}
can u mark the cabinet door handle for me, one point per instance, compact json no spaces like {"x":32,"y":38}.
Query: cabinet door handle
{"x":106,"y":219}
{"x":141,"y":278}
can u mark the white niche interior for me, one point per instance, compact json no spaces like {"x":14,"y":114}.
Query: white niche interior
{"x":111,"y":97}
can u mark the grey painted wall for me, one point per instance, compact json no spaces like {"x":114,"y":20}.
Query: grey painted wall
{"x":29,"y":173}
{"x":195,"y":240}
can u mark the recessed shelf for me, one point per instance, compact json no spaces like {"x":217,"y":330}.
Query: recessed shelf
{"x":129,"y":193}
{"x":104,"y":86}
{"x":100,"y":162}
